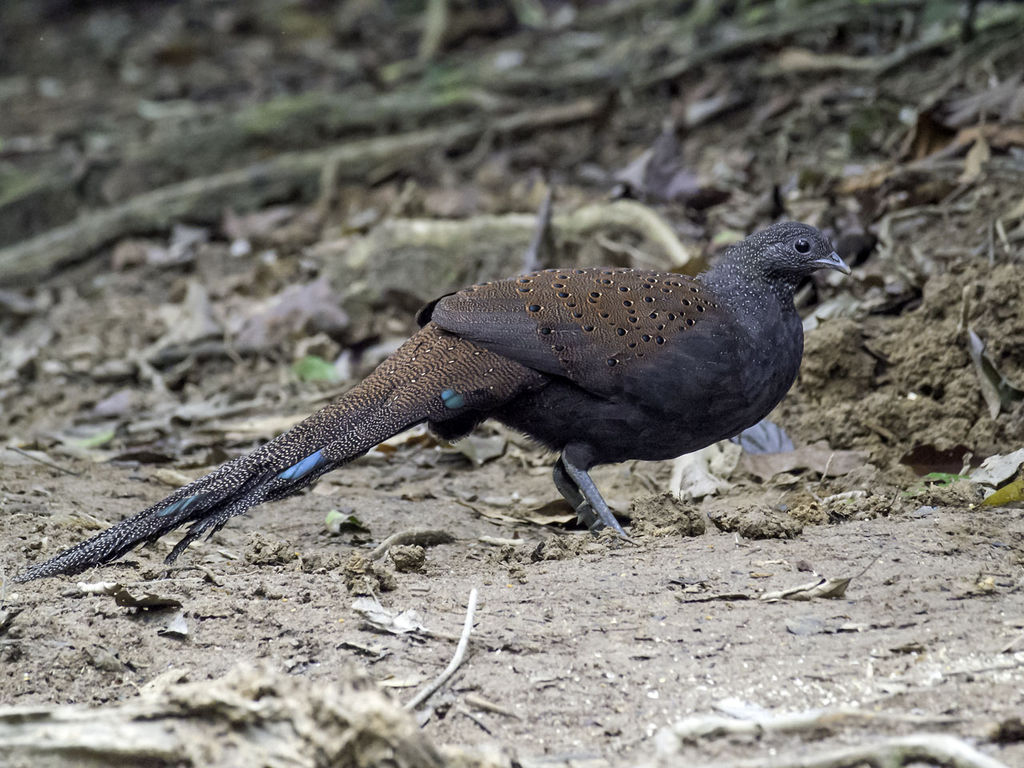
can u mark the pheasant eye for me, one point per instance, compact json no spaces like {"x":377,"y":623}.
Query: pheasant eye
{"x":802,"y":246}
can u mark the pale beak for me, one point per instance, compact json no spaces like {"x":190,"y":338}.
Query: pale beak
{"x":832,"y":261}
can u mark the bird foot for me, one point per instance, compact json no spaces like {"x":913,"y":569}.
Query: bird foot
{"x":585,"y":515}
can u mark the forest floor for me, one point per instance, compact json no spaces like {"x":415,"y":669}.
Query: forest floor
{"x":132,"y":367}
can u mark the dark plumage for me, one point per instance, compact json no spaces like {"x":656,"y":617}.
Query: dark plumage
{"x":601,"y":365}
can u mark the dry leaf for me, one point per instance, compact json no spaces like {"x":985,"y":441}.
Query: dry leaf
{"x":387,"y":620}
{"x":126,"y":599}
{"x":481,"y":448}
{"x":997,"y":469}
{"x":817,"y":457}
{"x":974,"y":163}
{"x":822,"y":588}
{"x":999,"y":393}
{"x":1007,"y":494}
{"x":693,"y":475}
{"x":176,"y":627}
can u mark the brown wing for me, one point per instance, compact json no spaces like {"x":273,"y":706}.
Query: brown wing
{"x":588,"y":325}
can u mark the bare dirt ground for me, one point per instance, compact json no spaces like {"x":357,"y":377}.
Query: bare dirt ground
{"x":129,"y":371}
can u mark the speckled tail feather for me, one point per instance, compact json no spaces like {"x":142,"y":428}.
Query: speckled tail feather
{"x":435,"y":377}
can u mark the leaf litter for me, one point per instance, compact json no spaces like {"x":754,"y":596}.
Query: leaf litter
{"x":929,"y":171}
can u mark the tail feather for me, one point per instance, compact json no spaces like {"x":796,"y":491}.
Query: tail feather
{"x":193,"y":502}
{"x":433,"y":377}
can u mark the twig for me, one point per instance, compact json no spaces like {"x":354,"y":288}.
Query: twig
{"x":45,"y":462}
{"x":435,"y":22}
{"x":541,"y":240}
{"x":460,"y":653}
{"x":828,"y":466}
{"x":480,"y":702}
{"x":423,"y":536}
{"x":932,"y":748}
{"x":1008,"y":648}
{"x":470,"y":716}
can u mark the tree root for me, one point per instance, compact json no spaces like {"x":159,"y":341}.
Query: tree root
{"x":285,"y":176}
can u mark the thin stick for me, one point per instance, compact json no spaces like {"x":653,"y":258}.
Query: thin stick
{"x":460,"y":653}
{"x":435,"y":23}
{"x":931,"y":748}
{"x":828,"y":466}
{"x":45,"y":462}
{"x":425,"y":537}
{"x":1008,"y":648}
{"x":541,"y":235}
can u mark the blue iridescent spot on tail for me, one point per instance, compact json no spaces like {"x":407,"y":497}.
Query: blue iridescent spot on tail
{"x":181,"y":505}
{"x":304,"y":467}
{"x":452,"y":399}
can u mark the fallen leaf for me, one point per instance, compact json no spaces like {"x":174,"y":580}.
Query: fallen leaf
{"x":1007,"y":494}
{"x":418,"y":435}
{"x":338,"y":522}
{"x":314,"y":368}
{"x":126,"y":599}
{"x":974,"y":163}
{"x":999,"y":393}
{"x":97,"y":440}
{"x":387,"y":620}
{"x":176,"y":627}
{"x":694,"y":477}
{"x":187,"y":323}
{"x":831,"y":589}
{"x":817,"y":457}
{"x":258,"y":224}
{"x":480,"y":449}
{"x":298,"y":310}
{"x":659,"y":174}
{"x":997,"y":469}
{"x":557,"y":512}
{"x":172,"y":478}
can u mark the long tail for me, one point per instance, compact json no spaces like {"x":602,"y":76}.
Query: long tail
{"x":433,"y":377}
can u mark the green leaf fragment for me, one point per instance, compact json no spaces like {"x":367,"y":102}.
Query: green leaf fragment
{"x":314,"y":368}
{"x":338,"y":522}
{"x":943,"y":478}
{"x":97,"y":440}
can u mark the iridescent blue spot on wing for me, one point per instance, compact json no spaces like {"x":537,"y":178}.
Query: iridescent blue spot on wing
{"x":304,"y":467}
{"x":452,"y":399}
{"x":181,"y":505}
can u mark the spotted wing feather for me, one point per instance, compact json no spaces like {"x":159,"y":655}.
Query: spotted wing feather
{"x":589,"y":325}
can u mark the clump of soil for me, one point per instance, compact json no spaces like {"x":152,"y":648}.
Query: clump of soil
{"x":663,"y":514}
{"x":756,"y":522}
{"x":909,"y":381}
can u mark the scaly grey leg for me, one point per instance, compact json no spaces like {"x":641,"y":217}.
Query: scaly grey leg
{"x":575,"y":483}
